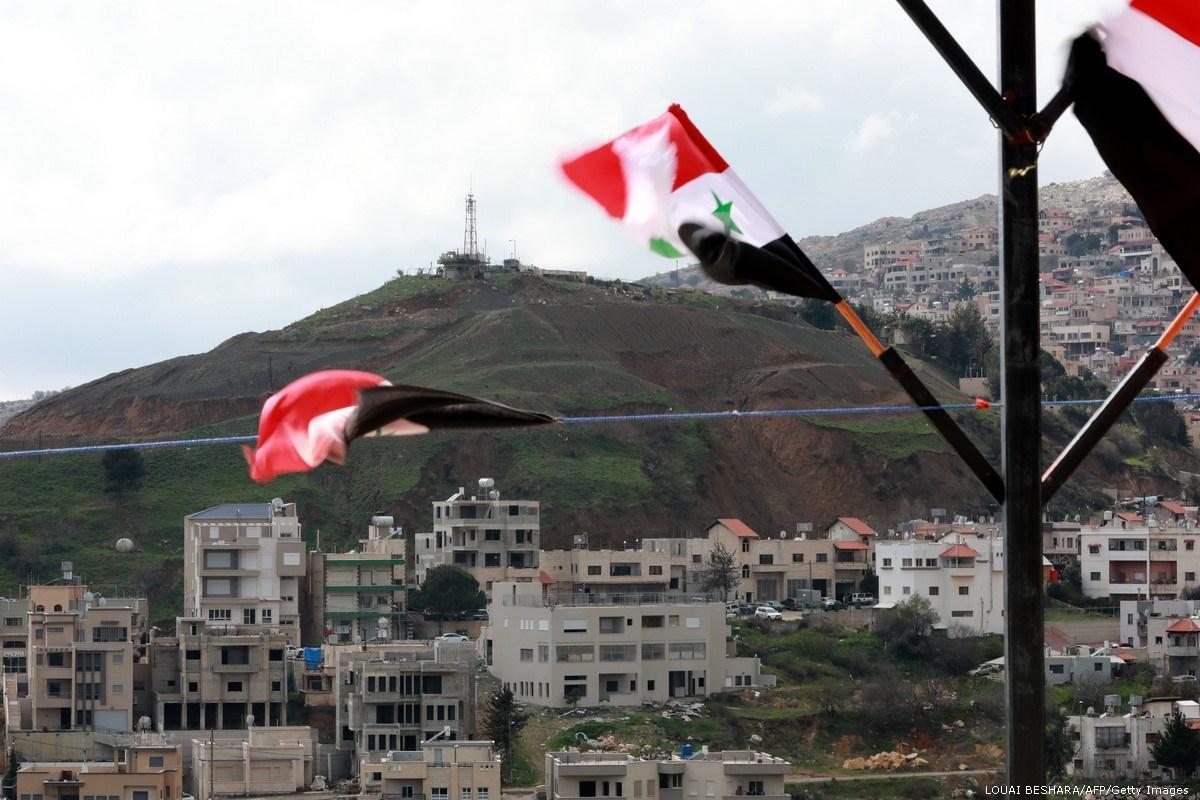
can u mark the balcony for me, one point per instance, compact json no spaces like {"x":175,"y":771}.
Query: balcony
{"x":1183,"y":651}
{"x":235,"y":668}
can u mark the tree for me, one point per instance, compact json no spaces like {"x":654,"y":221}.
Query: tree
{"x":721,"y":574}
{"x":1059,"y":748}
{"x":817,"y":313}
{"x":448,"y":591}
{"x":965,"y":290}
{"x":124,"y":471}
{"x":10,"y":774}
{"x":1193,"y":357}
{"x":1178,"y":747}
{"x":905,"y":627}
{"x":1161,"y":420}
{"x":870,"y":582}
{"x":503,"y":721}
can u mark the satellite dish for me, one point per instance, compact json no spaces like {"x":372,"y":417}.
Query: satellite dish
{"x":124,"y":545}
{"x":249,"y":720}
{"x":143,"y":724}
{"x":383,"y":622}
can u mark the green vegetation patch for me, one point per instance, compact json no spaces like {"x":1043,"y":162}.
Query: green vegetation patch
{"x":889,"y":435}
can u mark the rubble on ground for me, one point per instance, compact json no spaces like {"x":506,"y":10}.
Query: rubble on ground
{"x":887,"y":760}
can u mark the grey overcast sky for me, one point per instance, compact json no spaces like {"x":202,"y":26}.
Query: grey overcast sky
{"x":172,"y":174}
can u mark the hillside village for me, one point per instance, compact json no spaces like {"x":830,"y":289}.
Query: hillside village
{"x":292,"y":667}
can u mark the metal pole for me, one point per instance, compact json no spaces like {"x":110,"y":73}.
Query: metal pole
{"x":1023,"y":633}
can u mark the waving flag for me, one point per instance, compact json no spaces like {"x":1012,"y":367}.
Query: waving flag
{"x":660,"y":175}
{"x":314,"y":418}
{"x":1136,"y":87}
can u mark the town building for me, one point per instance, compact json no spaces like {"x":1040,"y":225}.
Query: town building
{"x":728,"y":775}
{"x":1127,"y":557}
{"x":491,"y":538}
{"x":81,"y":656}
{"x":224,"y":668}
{"x":151,"y":769}
{"x":1136,"y":616}
{"x":1110,"y":745}
{"x":961,"y":576}
{"x":393,"y":697}
{"x":625,"y":649}
{"x":347,"y":595}
{"x":269,"y":761}
{"x":449,"y":770}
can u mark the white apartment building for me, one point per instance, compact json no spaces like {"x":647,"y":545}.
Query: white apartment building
{"x":621,"y":649}
{"x":1110,"y":745}
{"x":242,"y":565}
{"x":492,"y":538}
{"x":961,"y":576}
{"x":727,"y":775}
{"x":439,"y":770}
{"x":1128,"y":558}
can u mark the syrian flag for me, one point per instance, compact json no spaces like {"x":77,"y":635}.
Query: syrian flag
{"x":313,"y":419}
{"x":1136,"y":88}
{"x":665,"y":174}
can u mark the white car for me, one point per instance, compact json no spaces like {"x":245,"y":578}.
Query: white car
{"x":766,"y":612}
{"x":452,"y":637}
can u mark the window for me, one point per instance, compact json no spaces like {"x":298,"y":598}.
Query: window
{"x":527,"y":654}
{"x":156,"y":761}
{"x":220,"y":615}
{"x":906,"y":562}
{"x":655,"y":621}
{"x":466,"y":793}
{"x":1189,"y":544}
{"x":962,"y":613}
{"x":822,"y":558}
{"x":543,"y":653}
{"x":439,"y":793}
{"x":249,"y":615}
{"x":481,"y":793}
{"x":291,"y":559}
{"x":141,"y":795}
{"x":887,"y":562}
{"x":1095,"y":576}
{"x":797,"y":558}
{"x":233,"y":686}
{"x":276,"y":686}
{"x":745,"y":545}
{"x":593,"y":569}
{"x":618,"y":652}
{"x":745,"y":571}
{"x":687,"y":651}
{"x":1094,"y":549}
{"x":655,"y":569}
{"x":118,"y":688}
{"x":1056,"y":669}
{"x":575,"y":652}
{"x":219,"y":559}
{"x":653,"y":651}
{"x":650,"y":686}
{"x":692,"y":622}
{"x":906,"y":590}
{"x":574,"y":626}
{"x":612,"y":624}
{"x":274,"y":654}
{"x":673,"y":620}
{"x":964,"y":590}
{"x":933,"y":591}
{"x":1189,"y":576}
{"x":766,"y":558}
{"x":887,"y":590}
{"x":193,"y":686}
{"x":268,"y":615}
{"x":218,"y":587}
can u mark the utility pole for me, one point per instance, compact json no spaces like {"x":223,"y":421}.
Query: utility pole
{"x":1025,"y":696}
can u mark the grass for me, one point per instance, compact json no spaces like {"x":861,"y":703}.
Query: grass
{"x":891,"y":436}
{"x":883,"y":788}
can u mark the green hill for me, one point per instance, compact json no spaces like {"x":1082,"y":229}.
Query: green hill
{"x":565,"y":348}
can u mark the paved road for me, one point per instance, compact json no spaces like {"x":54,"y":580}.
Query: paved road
{"x":887,"y":776}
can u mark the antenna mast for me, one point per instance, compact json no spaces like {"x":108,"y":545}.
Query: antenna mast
{"x":470,"y":237}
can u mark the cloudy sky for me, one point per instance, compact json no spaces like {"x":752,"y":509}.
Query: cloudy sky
{"x":172,"y":174}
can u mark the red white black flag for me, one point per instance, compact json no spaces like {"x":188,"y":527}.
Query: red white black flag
{"x":1136,"y":87}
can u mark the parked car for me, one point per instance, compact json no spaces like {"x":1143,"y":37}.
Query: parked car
{"x":480,"y":614}
{"x":746,"y":609}
{"x":789,"y":603}
{"x":775,"y":604}
{"x":766,"y":612}
{"x":861,"y":599}
{"x":1183,"y":679}
{"x":832,"y":604}
{"x":986,"y":668}
{"x":452,"y":637}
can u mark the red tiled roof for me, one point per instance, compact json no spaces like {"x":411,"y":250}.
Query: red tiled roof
{"x":857,"y":525}
{"x":851,"y":545}
{"x":1183,"y":625}
{"x":959,"y":551}
{"x":1173,"y":507}
{"x":737,"y":528}
{"x":544,"y":578}
{"x":1129,"y":516}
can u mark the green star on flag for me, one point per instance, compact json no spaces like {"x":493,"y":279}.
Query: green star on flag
{"x":723,"y":212}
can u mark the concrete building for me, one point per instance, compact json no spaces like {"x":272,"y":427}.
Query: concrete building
{"x":491,"y":538}
{"x":269,"y":761}
{"x":393,"y":697}
{"x":623,"y":649}
{"x":1128,"y":558}
{"x":1111,"y":745}
{"x":347,"y":594}
{"x":728,"y":775}
{"x":961,"y":576}
{"x":150,"y":770}
{"x":243,"y":566}
{"x":773,"y":569}
{"x":81,"y":655}
{"x":1136,"y":616}
{"x":440,"y":770}
{"x":14,"y":635}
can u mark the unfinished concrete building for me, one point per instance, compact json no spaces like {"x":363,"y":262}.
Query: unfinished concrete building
{"x":394,"y":697}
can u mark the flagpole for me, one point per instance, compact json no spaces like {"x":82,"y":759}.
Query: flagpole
{"x":1024,"y":635}
{"x":941,"y":420}
{"x":1116,"y":404}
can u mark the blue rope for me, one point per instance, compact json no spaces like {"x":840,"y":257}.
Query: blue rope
{"x":677,"y":416}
